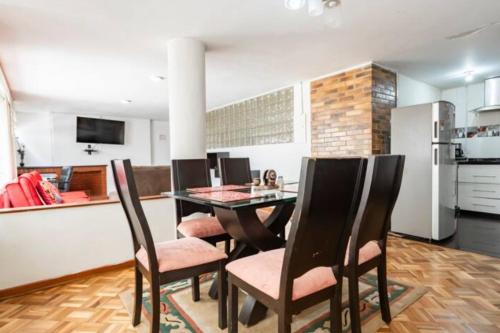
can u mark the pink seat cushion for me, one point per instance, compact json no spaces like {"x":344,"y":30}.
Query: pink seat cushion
{"x":201,"y":227}
{"x":369,"y":251}
{"x":181,"y":253}
{"x":263,"y":271}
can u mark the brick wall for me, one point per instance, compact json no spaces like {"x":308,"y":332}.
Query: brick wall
{"x":350,"y":112}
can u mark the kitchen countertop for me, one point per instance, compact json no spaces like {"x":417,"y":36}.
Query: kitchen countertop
{"x":480,"y":161}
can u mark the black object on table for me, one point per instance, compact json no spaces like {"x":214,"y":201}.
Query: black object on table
{"x":240,"y":220}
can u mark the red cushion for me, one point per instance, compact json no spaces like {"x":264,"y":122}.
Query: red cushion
{"x":17,"y":198}
{"x":47,"y":193}
{"x":36,"y":175}
{"x":27,"y":184}
{"x":74,"y":194}
{"x":75,"y":199}
{"x":4,"y":199}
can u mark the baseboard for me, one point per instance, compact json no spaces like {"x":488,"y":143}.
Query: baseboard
{"x":30,"y":287}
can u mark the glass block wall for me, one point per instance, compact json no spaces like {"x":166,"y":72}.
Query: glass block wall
{"x":266,"y":119}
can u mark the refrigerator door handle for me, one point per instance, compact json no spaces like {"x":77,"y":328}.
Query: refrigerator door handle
{"x":435,"y":156}
{"x":435,"y":130}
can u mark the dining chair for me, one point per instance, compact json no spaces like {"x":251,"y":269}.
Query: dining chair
{"x":367,"y":245}
{"x":236,"y":171}
{"x":309,"y":270}
{"x":191,"y":173}
{"x":164,"y":262}
{"x":64,"y":182}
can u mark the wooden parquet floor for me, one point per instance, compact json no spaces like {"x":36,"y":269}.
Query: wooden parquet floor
{"x":464,"y":296}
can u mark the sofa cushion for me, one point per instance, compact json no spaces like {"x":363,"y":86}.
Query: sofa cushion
{"x":4,"y":199}
{"x":28,"y":183}
{"x":17,"y":198}
{"x":48,"y":192}
{"x":36,"y":175}
{"x":263,"y":271}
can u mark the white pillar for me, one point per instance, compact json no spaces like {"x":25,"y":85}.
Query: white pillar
{"x":187,"y":96}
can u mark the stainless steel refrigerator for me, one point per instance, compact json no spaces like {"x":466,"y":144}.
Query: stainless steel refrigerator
{"x":428,"y":196}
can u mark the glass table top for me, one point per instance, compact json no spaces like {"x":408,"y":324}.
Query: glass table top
{"x":265,"y":198}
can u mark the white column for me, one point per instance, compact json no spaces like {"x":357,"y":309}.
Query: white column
{"x":187,"y":96}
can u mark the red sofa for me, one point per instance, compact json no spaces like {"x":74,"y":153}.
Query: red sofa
{"x":23,"y":193}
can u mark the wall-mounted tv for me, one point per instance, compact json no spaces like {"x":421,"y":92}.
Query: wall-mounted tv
{"x":92,"y":130}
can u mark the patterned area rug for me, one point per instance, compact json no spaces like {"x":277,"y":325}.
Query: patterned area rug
{"x":180,"y":314}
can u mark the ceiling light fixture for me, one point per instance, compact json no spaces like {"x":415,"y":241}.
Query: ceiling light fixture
{"x":126,"y":101}
{"x":294,"y":4}
{"x":157,"y":78}
{"x":469,"y":76}
{"x":314,"y":7}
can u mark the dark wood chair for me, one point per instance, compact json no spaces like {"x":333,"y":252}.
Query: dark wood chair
{"x":191,"y":173}
{"x":309,"y":270}
{"x":367,"y":245}
{"x":64,"y":182}
{"x":236,"y":171}
{"x":164,"y":262}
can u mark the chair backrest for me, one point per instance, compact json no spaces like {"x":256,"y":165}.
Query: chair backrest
{"x":190,"y":173}
{"x":65,"y":179}
{"x":327,"y":201}
{"x":235,"y":171}
{"x":139,"y":228}
{"x":380,"y":192}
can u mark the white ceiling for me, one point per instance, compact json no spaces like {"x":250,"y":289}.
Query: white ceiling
{"x":84,"y":56}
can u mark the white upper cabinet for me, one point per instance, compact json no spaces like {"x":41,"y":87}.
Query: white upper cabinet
{"x":457,"y":97}
{"x":465,"y":99}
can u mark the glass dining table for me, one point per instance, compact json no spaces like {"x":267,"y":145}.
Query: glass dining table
{"x":237,"y":214}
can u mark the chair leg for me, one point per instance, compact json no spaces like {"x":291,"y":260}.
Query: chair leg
{"x":155,"y":302}
{"x":195,"y":288}
{"x":136,"y":319}
{"x":227,"y":246}
{"x":382,"y":290}
{"x":336,"y":310}
{"x":233,"y":307}
{"x":284,"y":325}
{"x":354,"y":303}
{"x":222,"y":286}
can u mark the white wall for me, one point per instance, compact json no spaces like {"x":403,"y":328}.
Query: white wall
{"x":50,"y":139}
{"x":160,"y":148}
{"x":284,"y":158}
{"x":34,"y":130}
{"x":413,"y":92}
{"x":45,"y":244}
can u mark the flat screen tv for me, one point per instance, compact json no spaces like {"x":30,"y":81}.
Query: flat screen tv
{"x":92,"y":130}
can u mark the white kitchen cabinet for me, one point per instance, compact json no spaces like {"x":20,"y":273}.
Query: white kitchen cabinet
{"x":465,"y":99}
{"x":479,"y":188}
{"x":457,"y":97}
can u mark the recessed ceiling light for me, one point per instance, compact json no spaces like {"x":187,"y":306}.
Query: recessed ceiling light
{"x":332,"y":3}
{"x":157,"y":78}
{"x":126,"y":101}
{"x":469,"y":76}
{"x":294,"y":4}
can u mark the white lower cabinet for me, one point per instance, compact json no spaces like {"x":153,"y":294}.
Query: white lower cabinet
{"x":479,"y":188}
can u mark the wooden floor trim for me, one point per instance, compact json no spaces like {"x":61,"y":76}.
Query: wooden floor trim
{"x":30,"y":287}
